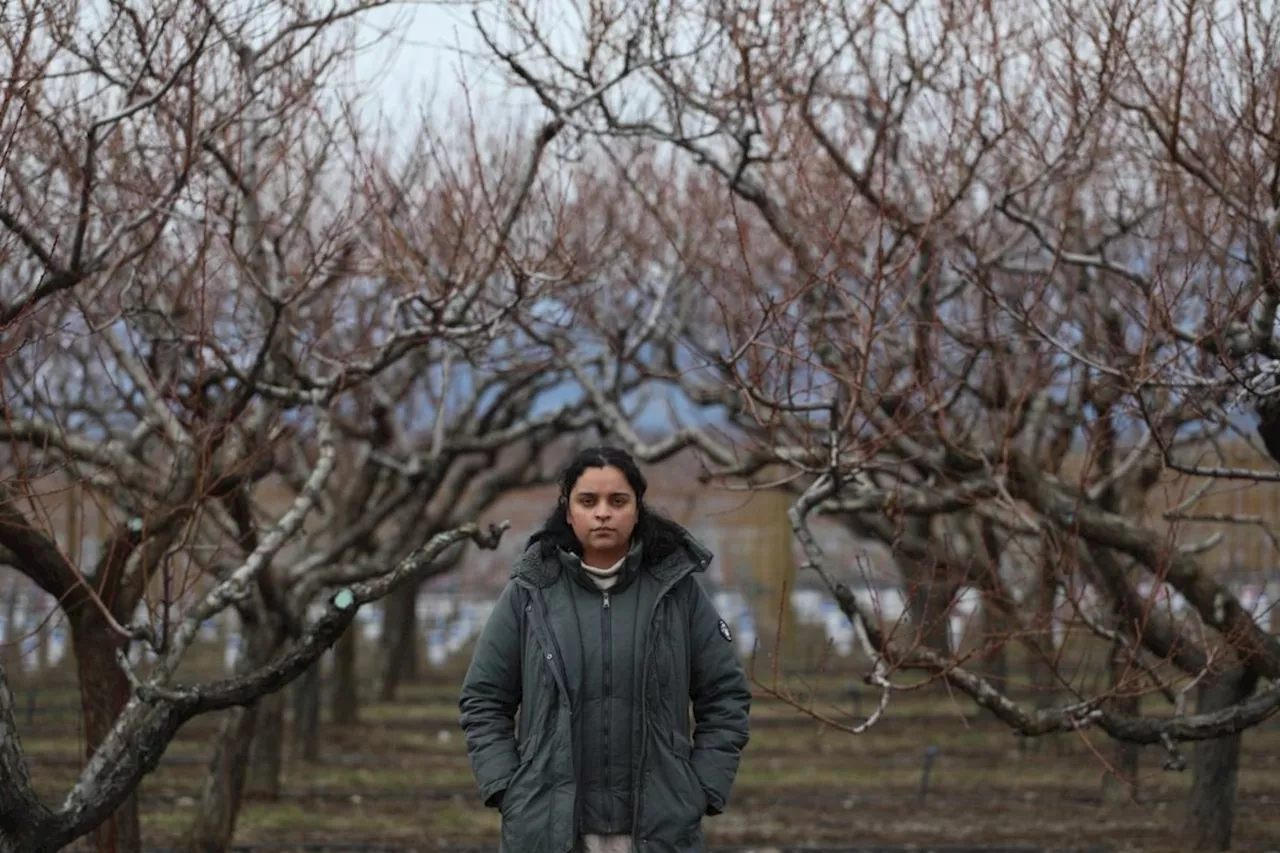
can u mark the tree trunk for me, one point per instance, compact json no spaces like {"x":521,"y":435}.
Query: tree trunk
{"x":306,"y":715}
{"x":266,"y":760}
{"x":214,"y":824}
{"x":345,"y":702}
{"x":104,"y":690}
{"x":929,"y":596}
{"x":9,"y":645}
{"x":1120,"y":783}
{"x":399,"y":641}
{"x":1215,"y":766}
{"x":1042,"y":653}
{"x":997,"y":630}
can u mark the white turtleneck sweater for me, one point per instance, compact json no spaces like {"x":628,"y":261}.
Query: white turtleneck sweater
{"x":605,"y":579}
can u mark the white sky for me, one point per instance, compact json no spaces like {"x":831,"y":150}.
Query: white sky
{"x":438,"y":49}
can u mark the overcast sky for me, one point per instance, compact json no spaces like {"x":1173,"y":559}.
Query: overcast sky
{"x":437,"y":45}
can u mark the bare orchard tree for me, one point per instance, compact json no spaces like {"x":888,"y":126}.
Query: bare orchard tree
{"x":281,"y":363}
{"x":975,"y":276}
{"x":434,"y":437}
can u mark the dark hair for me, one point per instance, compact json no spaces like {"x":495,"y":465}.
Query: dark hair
{"x":659,"y":536}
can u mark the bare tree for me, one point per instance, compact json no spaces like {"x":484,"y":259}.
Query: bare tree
{"x":975,"y":278}
{"x":287,"y":367}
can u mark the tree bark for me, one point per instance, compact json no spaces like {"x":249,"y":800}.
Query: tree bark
{"x":995,"y":627}
{"x":306,"y":715}
{"x":929,"y":598}
{"x":1042,"y":653}
{"x":214,"y":824}
{"x":1215,"y":766}
{"x":1120,"y":783}
{"x":399,"y":642}
{"x":345,"y":702}
{"x":930,"y":588}
{"x":267,"y":758}
{"x":1040,"y":661}
{"x":8,"y":643}
{"x":104,"y":690}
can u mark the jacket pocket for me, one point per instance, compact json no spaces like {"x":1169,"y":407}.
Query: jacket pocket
{"x":525,"y":807}
{"x":686,"y":803}
{"x":682,"y":746}
{"x":526,"y":749}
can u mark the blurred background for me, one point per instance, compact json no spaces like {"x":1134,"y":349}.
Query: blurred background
{"x":950,"y":327}
{"x":365,"y":752}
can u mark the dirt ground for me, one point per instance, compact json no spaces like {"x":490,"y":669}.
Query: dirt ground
{"x":401,"y":779}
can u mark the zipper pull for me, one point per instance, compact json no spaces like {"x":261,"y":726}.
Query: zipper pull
{"x":606,"y":600}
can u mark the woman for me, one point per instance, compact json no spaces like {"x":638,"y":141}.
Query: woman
{"x":602,"y":640}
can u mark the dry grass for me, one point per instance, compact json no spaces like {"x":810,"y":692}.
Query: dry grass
{"x":402,"y":776}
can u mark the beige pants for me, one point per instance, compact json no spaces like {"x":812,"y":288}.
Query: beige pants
{"x":606,"y":844}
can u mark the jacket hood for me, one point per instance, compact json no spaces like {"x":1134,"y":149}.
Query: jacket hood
{"x":689,"y":555}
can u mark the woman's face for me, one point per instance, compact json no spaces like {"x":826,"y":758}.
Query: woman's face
{"x":603,"y":512}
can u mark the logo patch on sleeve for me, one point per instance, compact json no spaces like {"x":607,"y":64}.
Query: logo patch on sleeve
{"x":724,"y":630}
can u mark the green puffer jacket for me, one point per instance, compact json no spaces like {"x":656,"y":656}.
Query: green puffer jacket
{"x":530,"y":658}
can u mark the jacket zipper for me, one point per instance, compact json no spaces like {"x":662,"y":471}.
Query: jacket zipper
{"x":606,"y":660}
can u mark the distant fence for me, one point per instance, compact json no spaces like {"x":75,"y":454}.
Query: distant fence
{"x":449,"y":622}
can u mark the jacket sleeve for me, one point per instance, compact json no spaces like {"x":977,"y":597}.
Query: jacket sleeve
{"x":721,"y":702}
{"x":490,"y":697}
